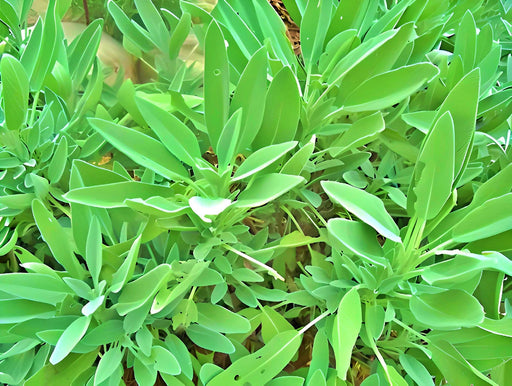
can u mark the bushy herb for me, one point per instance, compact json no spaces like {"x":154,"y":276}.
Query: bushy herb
{"x":338,"y":217}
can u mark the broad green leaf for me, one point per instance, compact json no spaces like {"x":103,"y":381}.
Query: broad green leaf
{"x":465,"y":42}
{"x":455,"y":368}
{"x":139,"y":291}
{"x":70,"y":338}
{"x":216,"y":82}
{"x":15,"y":91}
{"x":384,"y":90}
{"x":165,"y":297}
{"x":358,"y":238}
{"x":361,"y":132}
{"x":262,"y":158}
{"x":319,"y":356}
{"x":377,"y":61}
{"x":108,"y":363}
{"x":93,"y":250}
{"x":313,"y":30}
{"x":273,"y":29}
{"x":415,"y":370}
{"x":272,"y":324}
{"x":165,"y":361}
{"x":220,"y":319}
{"x":266,"y":188}
{"x":348,"y":15}
{"x":57,"y":239}
{"x":58,"y":163}
{"x":282,"y":110}
{"x":34,"y":286}
{"x":462,"y":102}
{"x":490,"y":218}
{"x":433,"y":174}
{"x":228,"y":145}
{"x":345,"y":331}
{"x":19,"y":310}
{"x":298,"y":161}
{"x":130,"y":29}
{"x":464,"y":263}
{"x":64,"y":372}
{"x":447,"y":310}
{"x":143,"y":149}
{"x":114,"y":195}
{"x":179,"y":35}
{"x":38,"y":69}
{"x":154,"y":23}
{"x":209,"y":339}
{"x":262,"y":365}
{"x":250,"y":96}
{"x":125,"y":271}
{"x":83,"y":51}
{"x":242,"y":34}
{"x":364,"y":205}
{"x":174,"y":134}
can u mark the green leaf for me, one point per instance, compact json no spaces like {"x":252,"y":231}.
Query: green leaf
{"x":125,"y":271}
{"x":93,"y":250}
{"x":282,"y":110}
{"x":447,"y":310}
{"x":65,"y":372}
{"x":433,"y":174}
{"x":165,"y":361}
{"x":358,"y":238}
{"x":364,"y":205}
{"x":347,"y":324}
{"x":15,"y":91}
{"x":313,"y":30}
{"x":220,"y":319}
{"x":174,"y":134}
{"x":209,"y":339}
{"x":114,"y":195}
{"x":108,"y":364}
{"x":154,"y":23}
{"x":139,"y":291}
{"x":490,"y":218}
{"x":262,"y":158}
{"x":58,"y":163}
{"x":34,"y":286}
{"x":262,"y":365}
{"x":57,"y":239}
{"x":384,"y":90}
{"x":453,"y":270}
{"x":465,"y":41}
{"x":19,"y":310}
{"x":363,"y":131}
{"x":228,"y":145}
{"x":250,"y":96}
{"x":266,"y":188}
{"x":82,"y":51}
{"x":216,"y":82}
{"x":462,"y":103}
{"x":143,"y":149}
{"x":130,"y":29}
{"x":70,"y":338}
{"x":415,"y":370}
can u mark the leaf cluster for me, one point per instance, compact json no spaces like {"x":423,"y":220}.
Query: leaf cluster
{"x":338,"y":217}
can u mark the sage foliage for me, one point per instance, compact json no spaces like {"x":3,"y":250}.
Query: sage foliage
{"x":335,"y":217}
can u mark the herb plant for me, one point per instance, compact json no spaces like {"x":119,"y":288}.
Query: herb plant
{"x":255,"y":217}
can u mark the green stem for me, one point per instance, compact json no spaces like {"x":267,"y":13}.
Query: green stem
{"x":411,"y":330}
{"x":271,"y":270}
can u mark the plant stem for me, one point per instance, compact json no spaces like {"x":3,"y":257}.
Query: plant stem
{"x":271,"y":270}
{"x":313,"y":322}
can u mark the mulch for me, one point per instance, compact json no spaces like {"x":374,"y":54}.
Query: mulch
{"x":292,"y":29}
